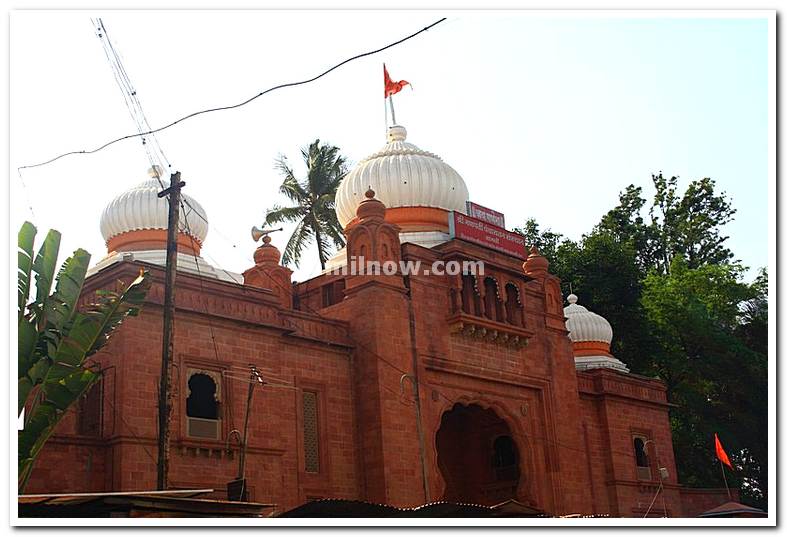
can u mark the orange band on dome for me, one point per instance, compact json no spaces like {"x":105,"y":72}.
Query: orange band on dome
{"x":151,"y":239}
{"x":591,"y":348}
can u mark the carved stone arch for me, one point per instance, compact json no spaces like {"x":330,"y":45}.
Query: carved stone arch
{"x":492,"y":300}
{"x":214,"y":375}
{"x":359,"y":242}
{"x":518,"y":291}
{"x":525,"y":490}
{"x":388,"y":238}
{"x":513,"y":304}
{"x":472,"y":299}
{"x":553,"y":298}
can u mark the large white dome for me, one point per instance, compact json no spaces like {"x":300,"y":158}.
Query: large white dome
{"x":401,"y":175}
{"x":584,"y":325}
{"x":140,"y":208}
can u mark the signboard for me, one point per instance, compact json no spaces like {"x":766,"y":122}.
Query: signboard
{"x":477,"y":231}
{"x":487,"y":215}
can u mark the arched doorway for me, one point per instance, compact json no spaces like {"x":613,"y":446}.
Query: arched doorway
{"x":477,"y":456}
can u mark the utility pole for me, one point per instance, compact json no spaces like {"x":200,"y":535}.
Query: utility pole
{"x":165,"y":382}
{"x":236,"y":489}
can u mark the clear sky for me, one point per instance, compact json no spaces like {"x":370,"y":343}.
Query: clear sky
{"x":543,"y":116}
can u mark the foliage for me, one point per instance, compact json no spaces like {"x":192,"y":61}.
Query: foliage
{"x":55,"y":337}
{"x":717,"y":381}
{"x":546,"y":241}
{"x":687,"y":225}
{"x":314,"y":202}
{"x":679,"y":310}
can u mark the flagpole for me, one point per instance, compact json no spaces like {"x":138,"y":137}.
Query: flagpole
{"x":724,"y":475}
{"x":393,"y":114}
{"x":385,"y":106}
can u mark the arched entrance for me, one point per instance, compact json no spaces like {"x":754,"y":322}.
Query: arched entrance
{"x":477,"y":456}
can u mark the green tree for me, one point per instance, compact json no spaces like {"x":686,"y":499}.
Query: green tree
{"x":715,"y":379}
{"x":603,"y":271}
{"x":546,"y":241}
{"x":314,"y":202}
{"x":680,"y":312}
{"x":56,"y":337}
{"x":687,"y":225}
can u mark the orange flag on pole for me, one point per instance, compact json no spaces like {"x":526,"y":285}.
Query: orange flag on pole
{"x":721,"y":454}
{"x":392,"y":87}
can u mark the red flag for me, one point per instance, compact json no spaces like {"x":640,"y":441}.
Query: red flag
{"x":721,"y":454}
{"x":392,"y":87}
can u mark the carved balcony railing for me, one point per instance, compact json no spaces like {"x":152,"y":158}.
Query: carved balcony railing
{"x":485,"y":329}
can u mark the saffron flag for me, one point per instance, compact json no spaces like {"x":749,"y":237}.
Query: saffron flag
{"x":392,"y":87}
{"x":721,"y":454}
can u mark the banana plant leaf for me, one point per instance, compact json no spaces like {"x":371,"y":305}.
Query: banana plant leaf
{"x":55,"y":338}
{"x":27,"y":235}
{"x":44,"y":267}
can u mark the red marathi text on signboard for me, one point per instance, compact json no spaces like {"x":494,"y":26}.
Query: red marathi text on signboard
{"x":487,"y":215}
{"x":474,"y":230}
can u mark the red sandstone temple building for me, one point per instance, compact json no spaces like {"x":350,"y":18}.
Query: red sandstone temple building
{"x":518,"y":397}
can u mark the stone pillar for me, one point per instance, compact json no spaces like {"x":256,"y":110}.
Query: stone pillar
{"x":377,"y":308}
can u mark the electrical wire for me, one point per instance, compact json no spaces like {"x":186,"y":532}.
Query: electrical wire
{"x":238,"y":105}
{"x":202,"y":289}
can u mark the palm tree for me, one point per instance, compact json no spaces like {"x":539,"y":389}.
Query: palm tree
{"x":314,"y":200}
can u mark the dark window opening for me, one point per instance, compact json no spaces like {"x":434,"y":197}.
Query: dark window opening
{"x":201,"y":402}
{"x":505,"y":452}
{"x":505,"y":459}
{"x":492,"y":305}
{"x":640,"y":453}
{"x":327,"y":295}
{"x":332,"y":293}
{"x":513,"y":315}
{"x":642,"y":460}
{"x":471,"y":302}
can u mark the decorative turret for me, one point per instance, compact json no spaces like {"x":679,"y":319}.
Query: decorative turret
{"x":372,"y":242}
{"x":370,"y":209}
{"x":591,"y":335}
{"x":536,"y":265}
{"x":267,"y":273}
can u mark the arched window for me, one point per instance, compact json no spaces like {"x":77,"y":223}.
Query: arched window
{"x":202,"y":407}
{"x":513,"y":315}
{"x":641,"y":456}
{"x":493,"y":307}
{"x":471,"y":302}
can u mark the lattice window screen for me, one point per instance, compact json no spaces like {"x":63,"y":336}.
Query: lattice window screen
{"x":311,"y":442}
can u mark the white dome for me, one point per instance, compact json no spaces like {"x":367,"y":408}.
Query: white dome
{"x":584,"y":325}
{"x":401,"y":175}
{"x":141,"y":208}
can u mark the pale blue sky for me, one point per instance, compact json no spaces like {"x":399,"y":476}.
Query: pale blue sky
{"x":542,"y":116}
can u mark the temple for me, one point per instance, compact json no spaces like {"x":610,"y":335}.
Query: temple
{"x":478,"y":387}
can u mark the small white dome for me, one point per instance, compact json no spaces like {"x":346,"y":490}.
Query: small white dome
{"x":584,"y":325}
{"x":401,"y":175}
{"x":141,"y":208}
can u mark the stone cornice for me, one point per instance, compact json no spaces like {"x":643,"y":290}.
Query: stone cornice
{"x":224,"y":300}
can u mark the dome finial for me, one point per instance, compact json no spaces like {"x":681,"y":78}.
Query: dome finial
{"x":155,"y":171}
{"x":369,"y":193}
{"x":572,"y":298}
{"x":396,"y":133}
